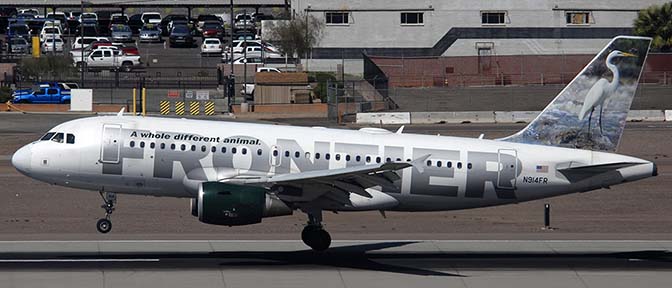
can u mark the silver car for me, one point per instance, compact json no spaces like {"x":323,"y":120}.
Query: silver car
{"x":18,"y":45}
{"x":122,"y":33}
{"x":150,"y":33}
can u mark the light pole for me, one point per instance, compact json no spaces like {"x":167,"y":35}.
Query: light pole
{"x":81,"y":34}
{"x":232,"y":77}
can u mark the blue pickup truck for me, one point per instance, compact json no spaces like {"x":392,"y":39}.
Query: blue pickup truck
{"x":47,"y":93}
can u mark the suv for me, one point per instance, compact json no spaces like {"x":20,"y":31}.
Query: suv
{"x":181,"y":35}
{"x":151,"y":17}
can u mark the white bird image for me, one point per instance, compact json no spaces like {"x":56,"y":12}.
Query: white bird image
{"x":602,"y":89}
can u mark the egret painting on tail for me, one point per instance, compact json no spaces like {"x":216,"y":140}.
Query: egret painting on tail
{"x":567,"y":121}
{"x":602,"y":89}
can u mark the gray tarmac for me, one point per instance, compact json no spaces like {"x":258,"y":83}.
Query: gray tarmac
{"x":607,"y":238}
{"x":397,"y":263}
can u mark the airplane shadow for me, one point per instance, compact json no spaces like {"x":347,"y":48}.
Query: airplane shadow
{"x":365,"y":257}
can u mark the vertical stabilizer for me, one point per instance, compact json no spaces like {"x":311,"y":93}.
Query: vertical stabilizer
{"x":590,"y":112}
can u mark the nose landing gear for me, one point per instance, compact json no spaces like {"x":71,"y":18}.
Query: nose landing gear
{"x":314,"y":234}
{"x":104,"y":225}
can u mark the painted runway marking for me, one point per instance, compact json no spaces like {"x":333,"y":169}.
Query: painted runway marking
{"x":74,"y":260}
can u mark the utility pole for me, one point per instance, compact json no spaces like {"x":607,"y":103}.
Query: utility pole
{"x":232,"y":76}
{"x":81,"y":32}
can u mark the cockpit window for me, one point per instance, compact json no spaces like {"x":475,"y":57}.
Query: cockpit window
{"x":58,"y":138}
{"x":47,"y":136}
{"x":70,"y":139}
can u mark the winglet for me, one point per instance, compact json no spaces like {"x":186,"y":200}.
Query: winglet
{"x":418,"y":163}
{"x":400,"y":130}
{"x":121,"y":112}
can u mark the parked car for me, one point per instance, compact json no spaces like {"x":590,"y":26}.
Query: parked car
{"x":244,"y":22}
{"x":50,"y":32}
{"x":122,"y":33}
{"x":268,"y":69}
{"x":168,"y":19}
{"x":181,"y":35}
{"x":88,"y":16}
{"x":248,"y":60}
{"x":203,"y":18}
{"x":50,"y":94}
{"x":88,"y":28}
{"x":252,"y":52}
{"x":60,"y":17}
{"x":77,"y":53}
{"x":18,"y":30}
{"x":150,"y":33}
{"x":109,"y":59}
{"x":212,"y":29}
{"x":52,"y":45}
{"x":18,"y":45}
{"x":118,"y":19}
{"x":135,"y":22}
{"x":80,"y":42}
{"x":151,"y":17}
{"x":211,"y":46}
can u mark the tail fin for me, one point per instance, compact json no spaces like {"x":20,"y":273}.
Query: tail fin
{"x":590,"y":112}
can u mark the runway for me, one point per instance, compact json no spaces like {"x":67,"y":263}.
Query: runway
{"x":402,"y":263}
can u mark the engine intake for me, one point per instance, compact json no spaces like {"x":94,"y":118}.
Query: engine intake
{"x":233,"y":205}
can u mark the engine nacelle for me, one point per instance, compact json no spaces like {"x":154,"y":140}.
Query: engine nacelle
{"x":232,"y":205}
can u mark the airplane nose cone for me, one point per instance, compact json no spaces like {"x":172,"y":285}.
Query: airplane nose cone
{"x":21,"y":159}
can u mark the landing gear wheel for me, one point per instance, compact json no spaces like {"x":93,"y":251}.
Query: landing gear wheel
{"x":109,"y":199}
{"x":316,"y":238}
{"x":104,"y":225}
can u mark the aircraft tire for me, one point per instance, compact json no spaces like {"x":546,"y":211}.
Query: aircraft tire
{"x":316,"y":238}
{"x":104,"y":226}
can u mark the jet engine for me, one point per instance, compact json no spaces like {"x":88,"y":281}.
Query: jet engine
{"x":233,"y":205}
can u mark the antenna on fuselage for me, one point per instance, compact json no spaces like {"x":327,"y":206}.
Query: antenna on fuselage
{"x":121,"y":112}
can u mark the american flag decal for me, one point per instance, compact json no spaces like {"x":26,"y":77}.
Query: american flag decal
{"x":542,"y":168}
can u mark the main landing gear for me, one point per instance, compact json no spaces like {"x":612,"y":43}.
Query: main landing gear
{"x":313,"y":234}
{"x":104,"y":225}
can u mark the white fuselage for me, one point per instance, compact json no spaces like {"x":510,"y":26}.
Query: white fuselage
{"x":171,"y":157}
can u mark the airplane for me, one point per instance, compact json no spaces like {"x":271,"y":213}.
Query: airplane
{"x":239,"y":173}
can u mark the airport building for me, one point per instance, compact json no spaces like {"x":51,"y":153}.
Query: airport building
{"x":465,"y":27}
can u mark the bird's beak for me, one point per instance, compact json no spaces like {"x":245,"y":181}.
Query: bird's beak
{"x":626,"y":54}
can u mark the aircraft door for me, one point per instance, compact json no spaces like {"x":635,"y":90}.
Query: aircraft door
{"x":111,"y":143}
{"x":508,"y":168}
{"x":275,"y":156}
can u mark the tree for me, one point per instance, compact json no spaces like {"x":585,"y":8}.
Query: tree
{"x":298,"y":35}
{"x":656,"y":22}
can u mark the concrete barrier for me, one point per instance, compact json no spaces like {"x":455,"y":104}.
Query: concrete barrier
{"x":668,"y":115}
{"x":385,"y":118}
{"x":452,"y":117}
{"x":515,"y":116}
{"x":646,"y":115}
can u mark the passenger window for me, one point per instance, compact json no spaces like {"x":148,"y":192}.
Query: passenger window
{"x":70,"y":139}
{"x":286,"y":153}
{"x":469,"y":166}
{"x":163,"y":146}
{"x":449,"y":164}
{"x":459,"y":165}
{"x":58,"y":138}
{"x":151,"y":145}
{"x":233,"y":150}
{"x":275,"y":153}
{"x":203,"y":148}
{"x":438,"y":163}
{"x":223,"y":149}
{"x":43,"y":91}
{"x":317,"y":155}
{"x":97,"y":54}
{"x":243,"y":151}
{"x":297,"y":154}
{"x":183,"y":147}
{"x":327,"y":156}
{"x":377,"y":159}
{"x":259,"y":152}
{"x":307,"y":155}
{"x":398,"y":159}
{"x":388,"y":159}
{"x":47,"y":136}
{"x":213,"y":149}
{"x":368,"y":159}
{"x":52,"y":91}
{"x":142,"y":144}
{"x":338,"y":157}
{"x":347,"y":157}
{"x":132,"y":144}
{"x":193,"y":147}
{"x":358,"y":158}
{"x":429,"y":162}
{"x":172,"y":146}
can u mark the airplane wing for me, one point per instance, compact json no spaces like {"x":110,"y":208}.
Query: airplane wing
{"x":348,"y":180}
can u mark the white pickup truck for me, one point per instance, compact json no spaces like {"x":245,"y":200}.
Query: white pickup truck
{"x":107,"y":59}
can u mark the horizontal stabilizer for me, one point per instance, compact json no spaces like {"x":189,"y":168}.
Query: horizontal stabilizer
{"x":576,"y":174}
